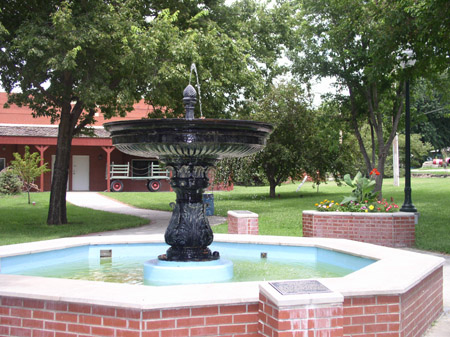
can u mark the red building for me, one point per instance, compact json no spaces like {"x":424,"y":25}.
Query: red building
{"x":90,"y":158}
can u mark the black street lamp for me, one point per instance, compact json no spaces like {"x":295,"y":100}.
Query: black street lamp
{"x":407,"y":204}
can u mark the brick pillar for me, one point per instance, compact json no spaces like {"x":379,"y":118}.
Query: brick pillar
{"x":243,"y":222}
{"x":299,"y":314}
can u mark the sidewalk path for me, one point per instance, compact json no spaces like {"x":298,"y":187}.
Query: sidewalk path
{"x":442,"y":326}
{"x":160,"y":220}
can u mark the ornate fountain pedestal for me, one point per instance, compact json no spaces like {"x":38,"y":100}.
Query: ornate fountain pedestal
{"x":189,"y":233}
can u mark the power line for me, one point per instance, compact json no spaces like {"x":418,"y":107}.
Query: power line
{"x":435,"y":110}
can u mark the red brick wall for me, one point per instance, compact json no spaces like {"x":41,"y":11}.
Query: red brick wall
{"x":372,"y":316}
{"x":406,"y":315}
{"x":299,"y":321}
{"x":403,"y":315}
{"x":392,"y":230}
{"x":421,"y":305}
{"x":39,"y":318}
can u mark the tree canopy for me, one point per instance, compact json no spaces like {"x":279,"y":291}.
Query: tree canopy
{"x":71,"y":59}
{"x":431,"y":110}
{"x":302,"y":142}
{"x":363,"y":45}
{"x":235,"y":48}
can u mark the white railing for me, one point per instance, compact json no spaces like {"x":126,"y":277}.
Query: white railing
{"x":123,"y":171}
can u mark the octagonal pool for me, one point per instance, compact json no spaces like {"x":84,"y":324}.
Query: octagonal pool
{"x":398,"y":294}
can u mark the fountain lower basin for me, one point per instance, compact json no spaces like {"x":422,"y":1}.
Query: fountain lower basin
{"x":129,"y":263}
{"x":384,"y":288}
{"x":175,"y":272}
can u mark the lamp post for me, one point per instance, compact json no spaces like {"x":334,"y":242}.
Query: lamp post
{"x":407,"y":204}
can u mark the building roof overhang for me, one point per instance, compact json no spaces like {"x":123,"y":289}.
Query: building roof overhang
{"x":47,"y":135}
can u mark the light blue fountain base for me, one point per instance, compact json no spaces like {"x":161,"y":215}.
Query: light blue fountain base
{"x":175,"y":272}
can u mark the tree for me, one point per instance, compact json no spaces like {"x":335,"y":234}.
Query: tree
{"x":28,"y":167}
{"x":301,"y":142}
{"x":239,"y":171}
{"x":431,"y":110}
{"x":361,"y":44}
{"x":72,"y":59}
{"x":431,"y":42}
{"x":235,"y":49}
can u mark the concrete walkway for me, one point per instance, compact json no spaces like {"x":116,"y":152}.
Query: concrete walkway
{"x":442,"y":326}
{"x":160,"y":220}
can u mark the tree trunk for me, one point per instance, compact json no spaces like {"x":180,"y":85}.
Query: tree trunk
{"x":57,"y":212}
{"x":379,"y":179}
{"x":354,"y":124}
{"x":385,"y":146}
{"x":272,"y":185}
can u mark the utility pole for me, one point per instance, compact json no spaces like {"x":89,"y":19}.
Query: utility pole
{"x":396,"y":163}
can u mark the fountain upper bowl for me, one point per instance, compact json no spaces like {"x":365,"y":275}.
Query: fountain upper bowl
{"x":205,"y":138}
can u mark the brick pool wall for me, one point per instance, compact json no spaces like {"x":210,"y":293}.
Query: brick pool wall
{"x":422,"y":305}
{"x":403,"y":315}
{"x":391,"y":230}
{"x":40,"y":318}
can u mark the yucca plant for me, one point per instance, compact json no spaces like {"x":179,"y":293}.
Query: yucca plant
{"x":363,"y":188}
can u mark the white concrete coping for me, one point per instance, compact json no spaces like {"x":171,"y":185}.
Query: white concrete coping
{"x":242,"y":214}
{"x":395,"y":272}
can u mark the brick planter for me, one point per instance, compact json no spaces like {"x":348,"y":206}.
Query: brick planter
{"x":386,"y":229}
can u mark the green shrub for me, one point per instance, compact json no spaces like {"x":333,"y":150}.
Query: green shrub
{"x":10,"y":182}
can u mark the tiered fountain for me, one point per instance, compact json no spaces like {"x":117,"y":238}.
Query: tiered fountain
{"x":190,"y":148}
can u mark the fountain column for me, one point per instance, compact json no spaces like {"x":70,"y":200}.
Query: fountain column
{"x":189,"y":233}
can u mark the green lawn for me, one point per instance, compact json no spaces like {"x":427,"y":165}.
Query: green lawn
{"x":282,"y":216}
{"x":21,"y":222}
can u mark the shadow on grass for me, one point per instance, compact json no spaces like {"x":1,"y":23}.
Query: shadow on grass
{"x":22,"y":222}
{"x":316,"y":196}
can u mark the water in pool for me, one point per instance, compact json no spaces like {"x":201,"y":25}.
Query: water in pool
{"x":126,"y":263}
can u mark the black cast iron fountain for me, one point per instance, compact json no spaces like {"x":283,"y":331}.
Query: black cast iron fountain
{"x":190,"y":148}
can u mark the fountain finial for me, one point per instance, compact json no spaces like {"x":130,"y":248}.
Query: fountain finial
{"x":189,"y":99}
